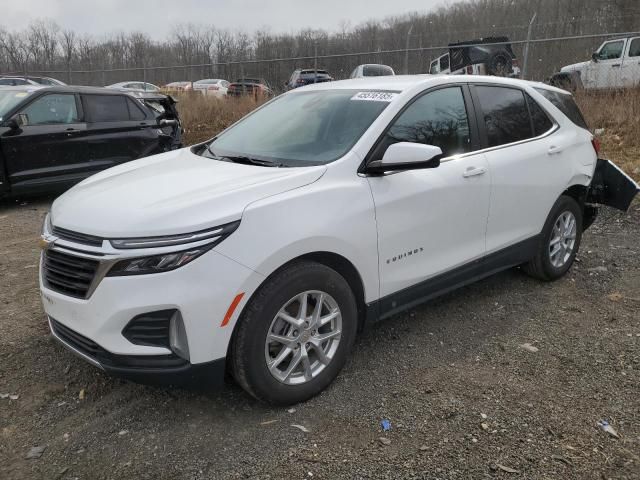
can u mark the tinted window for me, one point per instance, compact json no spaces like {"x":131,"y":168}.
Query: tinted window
{"x":438,"y":118}
{"x":444,"y":63}
{"x":135,"y":112}
{"x":106,"y":108}
{"x":52,"y":109}
{"x":565,"y":103}
{"x":505,"y":113}
{"x":376,"y":71}
{"x":539,"y":118}
{"x":634,"y":48}
{"x":611,"y":50}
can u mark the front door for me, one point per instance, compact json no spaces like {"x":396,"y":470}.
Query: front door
{"x":48,"y":148}
{"x":434,"y":220}
{"x":606,"y":72}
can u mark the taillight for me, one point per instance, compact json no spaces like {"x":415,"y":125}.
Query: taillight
{"x":596,"y":145}
{"x":300,"y":80}
{"x":469,"y":70}
{"x":514,"y":62}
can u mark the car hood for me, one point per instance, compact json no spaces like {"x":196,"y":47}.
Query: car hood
{"x":170,"y":193}
{"x":575,"y":67}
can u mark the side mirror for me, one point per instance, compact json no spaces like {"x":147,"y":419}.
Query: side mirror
{"x":407,"y":156}
{"x":595,"y":56}
{"x":18,"y":121}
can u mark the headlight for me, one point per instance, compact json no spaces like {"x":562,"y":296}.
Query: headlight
{"x":157,"y":263}
{"x":216,"y":235}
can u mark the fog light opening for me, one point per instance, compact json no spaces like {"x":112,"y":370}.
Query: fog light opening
{"x":178,"y":336}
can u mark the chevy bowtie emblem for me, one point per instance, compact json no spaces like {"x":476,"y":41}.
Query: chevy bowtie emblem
{"x":46,"y":242}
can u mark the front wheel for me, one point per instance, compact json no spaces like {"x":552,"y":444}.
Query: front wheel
{"x":559,"y":243}
{"x":295,"y":334}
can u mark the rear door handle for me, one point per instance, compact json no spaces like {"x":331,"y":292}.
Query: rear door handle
{"x":474,"y":171}
{"x":615,"y":65}
{"x":554,"y":150}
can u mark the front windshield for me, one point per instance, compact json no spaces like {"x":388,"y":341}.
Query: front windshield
{"x":303,"y":128}
{"x":9,"y":99}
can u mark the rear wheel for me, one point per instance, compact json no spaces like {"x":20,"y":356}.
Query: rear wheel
{"x":559,"y":243}
{"x":293,"y":338}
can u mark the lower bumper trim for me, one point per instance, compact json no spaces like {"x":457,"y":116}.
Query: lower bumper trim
{"x":146,"y":369}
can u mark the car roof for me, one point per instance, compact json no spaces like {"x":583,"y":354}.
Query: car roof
{"x":402,"y":83}
{"x":70,"y":89}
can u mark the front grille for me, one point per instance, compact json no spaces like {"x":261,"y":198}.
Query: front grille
{"x":107,"y":359}
{"x":150,"y":329}
{"x":68,"y":274}
{"x":76,"y":237}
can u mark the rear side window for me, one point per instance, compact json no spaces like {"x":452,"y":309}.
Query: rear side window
{"x":565,"y":103}
{"x":112,"y":108}
{"x":634,"y":48}
{"x":505,"y":114}
{"x":539,"y":119}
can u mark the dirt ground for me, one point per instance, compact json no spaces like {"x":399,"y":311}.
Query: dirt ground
{"x":465,"y":399}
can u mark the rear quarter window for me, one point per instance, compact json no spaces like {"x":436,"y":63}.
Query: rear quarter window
{"x":566,"y":104}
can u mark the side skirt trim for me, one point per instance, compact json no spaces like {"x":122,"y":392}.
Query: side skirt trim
{"x":446,"y":282}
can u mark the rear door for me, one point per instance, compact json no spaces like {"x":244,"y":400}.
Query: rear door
{"x":630,"y":76}
{"x":119,"y":130}
{"x":525,"y":154}
{"x":49,"y":148}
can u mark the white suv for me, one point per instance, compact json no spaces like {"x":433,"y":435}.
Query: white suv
{"x":266,"y":249}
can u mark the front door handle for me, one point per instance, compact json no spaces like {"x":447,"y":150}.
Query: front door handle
{"x":474,"y":171}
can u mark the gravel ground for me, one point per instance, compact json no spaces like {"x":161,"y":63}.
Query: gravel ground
{"x":464,"y":398}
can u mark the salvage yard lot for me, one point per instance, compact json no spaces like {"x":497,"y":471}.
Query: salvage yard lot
{"x":432,"y":372}
{"x":466,"y":396}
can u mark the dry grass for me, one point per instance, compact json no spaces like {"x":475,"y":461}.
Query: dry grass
{"x":618,"y":113}
{"x":204,"y":117}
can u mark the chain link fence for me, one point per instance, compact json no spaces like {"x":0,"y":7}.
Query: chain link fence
{"x":539,"y":58}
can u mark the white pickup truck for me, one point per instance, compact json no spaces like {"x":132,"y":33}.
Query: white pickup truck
{"x":616,"y":64}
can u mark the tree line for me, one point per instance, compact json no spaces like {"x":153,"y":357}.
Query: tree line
{"x":43,"y":46}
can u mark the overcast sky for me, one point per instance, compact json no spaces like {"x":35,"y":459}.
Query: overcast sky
{"x":156,"y":16}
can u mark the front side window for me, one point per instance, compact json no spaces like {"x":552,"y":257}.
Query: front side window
{"x":438,"y":118}
{"x":505,"y":113}
{"x":106,"y":108}
{"x":634,"y":47}
{"x":304,"y":128}
{"x":52,"y":109}
{"x":10,"y":99}
{"x":611,"y":50}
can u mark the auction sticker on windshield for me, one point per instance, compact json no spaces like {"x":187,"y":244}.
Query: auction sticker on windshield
{"x":374,"y":96}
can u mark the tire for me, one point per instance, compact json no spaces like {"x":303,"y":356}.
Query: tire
{"x":283,"y":293}
{"x":545,"y":266}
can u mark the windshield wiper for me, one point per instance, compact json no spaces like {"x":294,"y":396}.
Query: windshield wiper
{"x":250,"y":161}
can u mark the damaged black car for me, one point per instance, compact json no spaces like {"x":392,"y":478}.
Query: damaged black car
{"x":53,"y":137}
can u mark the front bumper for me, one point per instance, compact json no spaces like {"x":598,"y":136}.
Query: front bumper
{"x":201,"y":291}
{"x":147,"y":369}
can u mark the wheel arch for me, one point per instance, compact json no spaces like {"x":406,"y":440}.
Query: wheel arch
{"x":333,"y":260}
{"x":579,"y":193}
